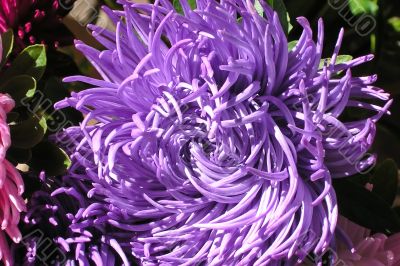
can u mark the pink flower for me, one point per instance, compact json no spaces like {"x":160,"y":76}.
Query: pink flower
{"x":11,"y":10}
{"x":367,"y":249}
{"x":35,"y":21}
{"x":11,"y":187}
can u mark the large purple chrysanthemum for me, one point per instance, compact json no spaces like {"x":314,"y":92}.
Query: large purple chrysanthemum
{"x":212,"y":143}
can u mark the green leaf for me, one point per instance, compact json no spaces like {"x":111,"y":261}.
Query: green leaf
{"x":7,"y":40}
{"x":373,"y":43}
{"x":29,"y":132}
{"x":385,"y":181}
{"x":359,"y":7}
{"x":259,"y":8}
{"x":292,"y":44}
{"x":395,"y":23}
{"x":339,"y":60}
{"x":43,"y":124}
{"x":31,"y":61}
{"x":365,"y":208}
{"x":178,"y":6}
{"x":19,"y":87}
{"x":280,"y":8}
{"x":45,"y":152}
{"x":290,"y":26}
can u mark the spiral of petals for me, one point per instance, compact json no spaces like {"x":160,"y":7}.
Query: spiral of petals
{"x":210,"y":141}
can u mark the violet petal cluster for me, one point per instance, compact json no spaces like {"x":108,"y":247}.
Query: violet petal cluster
{"x":60,"y":228}
{"x":210,"y":142}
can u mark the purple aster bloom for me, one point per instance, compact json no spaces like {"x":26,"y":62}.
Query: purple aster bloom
{"x":210,"y":142}
{"x":60,"y":228}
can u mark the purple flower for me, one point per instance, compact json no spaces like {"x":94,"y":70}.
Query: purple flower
{"x":60,"y":228}
{"x":212,"y":143}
